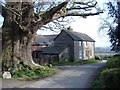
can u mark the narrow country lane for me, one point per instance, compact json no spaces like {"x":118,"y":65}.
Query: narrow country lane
{"x":78,"y":76}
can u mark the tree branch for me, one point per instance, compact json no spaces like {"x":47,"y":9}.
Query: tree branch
{"x":12,"y":10}
{"x":84,"y":14}
{"x":47,"y":16}
{"x":78,"y":7}
{"x":85,"y":3}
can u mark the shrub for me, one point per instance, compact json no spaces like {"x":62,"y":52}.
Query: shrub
{"x":110,"y":78}
{"x":17,"y":73}
{"x":97,"y":82}
{"x":32,"y":74}
{"x":116,"y":55}
{"x":113,"y":63}
{"x":23,"y":71}
{"x":97,"y":57}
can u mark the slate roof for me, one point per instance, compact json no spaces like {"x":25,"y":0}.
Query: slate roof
{"x":40,"y":39}
{"x":53,"y":50}
{"x":77,"y":36}
{"x":44,"y":39}
{"x":50,"y":37}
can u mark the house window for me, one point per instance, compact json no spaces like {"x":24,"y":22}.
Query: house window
{"x":79,"y":43}
{"x":80,"y":54}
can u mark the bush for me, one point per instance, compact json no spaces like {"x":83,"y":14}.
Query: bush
{"x":116,"y":55}
{"x":110,"y":78}
{"x":113,"y":63}
{"x":97,"y":57}
{"x":97,"y":82}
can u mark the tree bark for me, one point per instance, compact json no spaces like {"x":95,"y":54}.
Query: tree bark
{"x":16,"y":41}
{"x":19,"y":29}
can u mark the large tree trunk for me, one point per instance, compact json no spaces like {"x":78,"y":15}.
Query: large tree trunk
{"x":16,"y":47}
{"x":16,"y":40}
{"x":19,"y":29}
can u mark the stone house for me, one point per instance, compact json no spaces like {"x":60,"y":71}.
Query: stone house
{"x":68,"y":45}
{"x":81,"y":45}
{"x":56,"y":53}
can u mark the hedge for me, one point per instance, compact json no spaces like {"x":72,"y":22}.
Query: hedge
{"x":110,"y":78}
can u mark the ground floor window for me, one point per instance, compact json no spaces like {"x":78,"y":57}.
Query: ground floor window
{"x":80,"y":54}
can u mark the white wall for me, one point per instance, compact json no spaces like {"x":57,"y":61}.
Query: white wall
{"x":88,"y":50}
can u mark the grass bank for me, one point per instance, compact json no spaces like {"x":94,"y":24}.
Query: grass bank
{"x":34,"y":74}
{"x":24,"y":72}
{"x":109,"y":76}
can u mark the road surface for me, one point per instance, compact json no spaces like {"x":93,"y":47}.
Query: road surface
{"x":78,"y":76}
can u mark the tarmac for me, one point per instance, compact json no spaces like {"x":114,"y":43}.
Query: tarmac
{"x":77,"y":76}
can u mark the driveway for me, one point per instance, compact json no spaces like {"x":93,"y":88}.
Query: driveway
{"x":78,"y":76}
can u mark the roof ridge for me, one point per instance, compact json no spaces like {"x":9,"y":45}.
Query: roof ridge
{"x":79,"y":33}
{"x":79,"y":36}
{"x":73,"y":32}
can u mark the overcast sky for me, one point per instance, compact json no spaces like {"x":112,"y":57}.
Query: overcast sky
{"x":90,"y":26}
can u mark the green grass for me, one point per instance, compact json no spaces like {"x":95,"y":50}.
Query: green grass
{"x":24,"y":72}
{"x":109,"y":75}
{"x":97,"y":82}
{"x":113,"y":63}
{"x":32,"y":74}
{"x":75,"y":62}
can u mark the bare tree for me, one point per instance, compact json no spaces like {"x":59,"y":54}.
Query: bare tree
{"x":23,"y":19}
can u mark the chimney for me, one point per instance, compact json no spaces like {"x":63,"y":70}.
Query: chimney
{"x":69,"y":28}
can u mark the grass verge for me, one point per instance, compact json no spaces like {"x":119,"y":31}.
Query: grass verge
{"x":75,"y":62}
{"x":109,"y":76}
{"x":34,"y":74}
{"x":24,"y":72}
